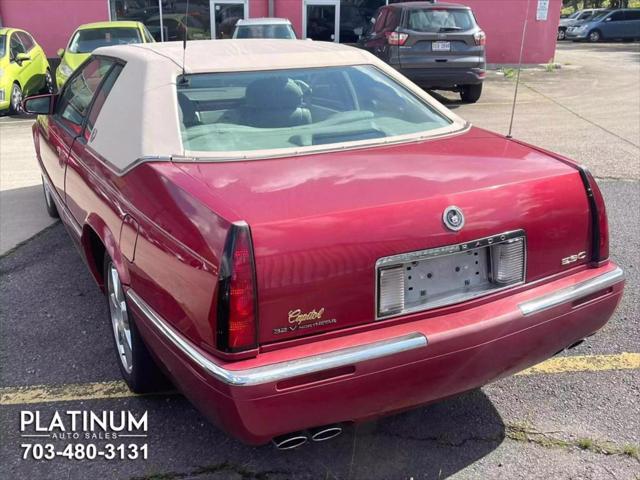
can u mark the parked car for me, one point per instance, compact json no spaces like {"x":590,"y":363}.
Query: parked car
{"x":308,"y":239}
{"x":264,"y":28}
{"x":90,"y":36}
{"x":438,"y":46}
{"x":576,"y":17}
{"x":24,"y":69}
{"x":621,"y":24}
{"x":176,"y":24}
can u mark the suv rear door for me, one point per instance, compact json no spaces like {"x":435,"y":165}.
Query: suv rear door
{"x":440,"y":37}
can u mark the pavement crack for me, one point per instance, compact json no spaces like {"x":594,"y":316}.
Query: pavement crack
{"x":225,"y":467}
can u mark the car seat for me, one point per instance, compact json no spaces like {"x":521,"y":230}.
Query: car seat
{"x":274,"y":102}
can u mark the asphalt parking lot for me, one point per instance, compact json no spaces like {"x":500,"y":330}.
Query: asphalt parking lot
{"x":575,"y":417}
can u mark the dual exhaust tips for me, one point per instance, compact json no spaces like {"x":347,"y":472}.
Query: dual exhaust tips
{"x":297,"y":439}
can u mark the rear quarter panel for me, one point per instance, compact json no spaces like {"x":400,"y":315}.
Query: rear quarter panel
{"x":175,"y":263}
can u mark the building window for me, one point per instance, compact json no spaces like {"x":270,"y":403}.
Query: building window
{"x":166,"y":20}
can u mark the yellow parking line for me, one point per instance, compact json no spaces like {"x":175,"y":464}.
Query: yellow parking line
{"x":586,"y":363}
{"x":118,"y":389}
{"x":64,"y":393}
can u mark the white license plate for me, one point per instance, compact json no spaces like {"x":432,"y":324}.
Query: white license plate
{"x":441,"y":46}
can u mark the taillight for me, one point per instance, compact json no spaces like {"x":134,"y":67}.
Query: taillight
{"x":396,"y":38}
{"x":599,"y":222}
{"x":237,"y":296}
{"x":480,"y":38}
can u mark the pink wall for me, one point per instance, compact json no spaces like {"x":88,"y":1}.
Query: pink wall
{"x":291,"y":9}
{"x":258,"y":8}
{"x":52,"y":22}
{"x":502,"y":20}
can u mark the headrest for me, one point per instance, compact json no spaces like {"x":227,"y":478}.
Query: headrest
{"x":274,"y":92}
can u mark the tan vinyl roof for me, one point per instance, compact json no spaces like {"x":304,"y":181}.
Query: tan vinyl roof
{"x":241,"y":55}
{"x":140,"y":117}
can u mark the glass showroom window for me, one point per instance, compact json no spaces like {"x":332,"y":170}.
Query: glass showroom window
{"x":166,"y":20}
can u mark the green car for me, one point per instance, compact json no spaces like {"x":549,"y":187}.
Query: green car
{"x":90,"y":36}
{"x":24,"y":69}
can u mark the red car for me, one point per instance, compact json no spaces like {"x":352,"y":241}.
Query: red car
{"x":299,"y":237}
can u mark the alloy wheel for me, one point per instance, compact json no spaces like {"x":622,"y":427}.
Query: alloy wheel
{"x":594,"y":36}
{"x":119,"y":318}
{"x":16,"y":98}
{"x":48,"y":82}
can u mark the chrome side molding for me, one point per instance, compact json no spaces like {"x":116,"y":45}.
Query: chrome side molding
{"x":282,"y":370}
{"x":573,"y":293}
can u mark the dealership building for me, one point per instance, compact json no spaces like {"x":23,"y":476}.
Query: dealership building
{"x":52,"y":22}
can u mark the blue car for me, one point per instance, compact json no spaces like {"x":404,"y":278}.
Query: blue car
{"x":609,"y":25}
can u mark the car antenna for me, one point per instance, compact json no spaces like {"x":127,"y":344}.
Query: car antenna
{"x":515,"y":93}
{"x":183,"y":79}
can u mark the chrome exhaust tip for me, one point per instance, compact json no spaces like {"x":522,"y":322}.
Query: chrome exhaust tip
{"x":320,"y":434}
{"x":290,"y":441}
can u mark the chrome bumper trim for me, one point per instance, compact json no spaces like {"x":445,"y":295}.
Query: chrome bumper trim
{"x":283,"y":370}
{"x":573,"y":293}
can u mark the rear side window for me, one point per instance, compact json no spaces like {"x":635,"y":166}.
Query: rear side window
{"x":16,"y":46}
{"x":26,"y":40}
{"x":101,"y":96}
{"x":76,"y":97}
{"x":633,"y":14}
{"x":436,"y":20}
{"x":617,"y":16}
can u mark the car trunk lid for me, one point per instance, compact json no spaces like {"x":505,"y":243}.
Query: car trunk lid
{"x":321,"y":222}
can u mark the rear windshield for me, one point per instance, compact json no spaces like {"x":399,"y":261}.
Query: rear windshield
{"x":235,"y":112}
{"x":3,"y":45}
{"x":265,"y":31}
{"x":86,"y":41}
{"x":439,"y":20}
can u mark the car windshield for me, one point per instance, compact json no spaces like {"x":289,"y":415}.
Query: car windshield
{"x":575,"y":14}
{"x":86,"y":41}
{"x":265,"y":31}
{"x":439,"y":20}
{"x":284,"y":109}
{"x":3,"y":45}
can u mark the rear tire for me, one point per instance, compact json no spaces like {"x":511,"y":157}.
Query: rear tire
{"x":48,"y":83}
{"x":471,"y":93}
{"x":138,"y":368}
{"x":594,"y":36}
{"x":52,"y":210}
{"x":15,"y":103}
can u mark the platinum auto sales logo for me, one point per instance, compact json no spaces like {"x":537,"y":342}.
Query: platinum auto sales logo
{"x":87,"y":434}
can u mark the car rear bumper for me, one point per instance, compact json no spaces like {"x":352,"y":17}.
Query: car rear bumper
{"x":392,"y":368}
{"x":444,"y":78}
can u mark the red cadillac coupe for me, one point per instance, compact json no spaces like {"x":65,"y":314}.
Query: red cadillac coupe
{"x":293,"y":226}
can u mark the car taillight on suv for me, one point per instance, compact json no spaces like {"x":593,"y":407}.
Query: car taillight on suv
{"x":480,"y":38}
{"x":396,"y":38}
{"x":237,"y":311}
